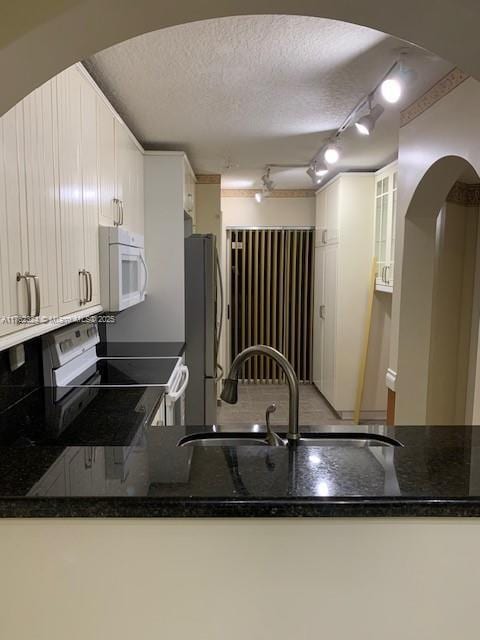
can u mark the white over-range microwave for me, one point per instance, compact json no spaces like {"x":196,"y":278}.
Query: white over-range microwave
{"x":123,"y":270}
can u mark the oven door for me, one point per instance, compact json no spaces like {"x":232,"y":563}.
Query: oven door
{"x":175,"y":399}
{"x":128,"y":276}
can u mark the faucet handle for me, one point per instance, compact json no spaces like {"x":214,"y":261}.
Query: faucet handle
{"x":271,"y":409}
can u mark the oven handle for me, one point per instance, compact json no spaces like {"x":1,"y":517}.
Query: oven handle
{"x":173,"y":396}
{"x":145,"y":285}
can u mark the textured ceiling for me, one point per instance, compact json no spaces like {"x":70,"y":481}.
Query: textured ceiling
{"x":238,"y":93}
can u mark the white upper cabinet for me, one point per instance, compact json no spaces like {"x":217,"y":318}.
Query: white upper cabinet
{"x":129,"y":180}
{"x":385,"y":218}
{"x":72,"y":289}
{"x":67,"y":164}
{"x":108,"y":209}
{"x":41,"y":202}
{"x":90,"y":194}
{"x":13,"y":239}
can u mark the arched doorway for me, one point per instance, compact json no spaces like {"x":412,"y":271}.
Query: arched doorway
{"x":439,"y":300}
{"x":37,"y":40}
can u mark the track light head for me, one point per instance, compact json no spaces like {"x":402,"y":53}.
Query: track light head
{"x":367,"y":123}
{"x":331,"y":154}
{"x":321,"y":169}
{"x":314,"y":176}
{"x":391,"y":89}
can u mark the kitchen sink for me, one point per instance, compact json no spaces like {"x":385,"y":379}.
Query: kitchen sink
{"x":323,"y":439}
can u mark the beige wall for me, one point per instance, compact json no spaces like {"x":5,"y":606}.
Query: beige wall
{"x":364,"y":579}
{"x":272,"y":212}
{"x":452,"y":300}
{"x":451,"y":128}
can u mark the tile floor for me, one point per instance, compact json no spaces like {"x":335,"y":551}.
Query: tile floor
{"x":253,"y":400}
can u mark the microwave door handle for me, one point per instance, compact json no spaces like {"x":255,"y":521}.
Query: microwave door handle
{"x":145,"y":285}
{"x":173,"y":396}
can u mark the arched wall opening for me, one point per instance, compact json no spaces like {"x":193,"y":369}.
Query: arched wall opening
{"x":38,"y":40}
{"x":439,"y":313}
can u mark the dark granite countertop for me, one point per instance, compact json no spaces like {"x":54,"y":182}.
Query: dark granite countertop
{"x":141,"y":349}
{"x":110,"y":462}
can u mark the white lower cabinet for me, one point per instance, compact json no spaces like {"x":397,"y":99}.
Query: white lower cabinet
{"x":343,"y":262}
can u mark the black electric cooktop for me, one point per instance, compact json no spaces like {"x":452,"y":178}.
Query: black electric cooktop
{"x":129,"y":372}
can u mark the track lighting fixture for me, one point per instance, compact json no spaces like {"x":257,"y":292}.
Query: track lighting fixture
{"x":267,"y":182}
{"x":366,"y":124}
{"x":331,"y":154}
{"x":391,"y":86}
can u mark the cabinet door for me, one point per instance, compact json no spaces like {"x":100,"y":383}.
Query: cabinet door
{"x":41,"y":196}
{"x":13,"y":239}
{"x":330,"y":323}
{"x":382,"y":205}
{"x":89,"y":160}
{"x":108,"y":211}
{"x":139,"y":222}
{"x":128,"y":179}
{"x":70,"y":218}
{"x":392,"y":225}
{"x":318,"y":316}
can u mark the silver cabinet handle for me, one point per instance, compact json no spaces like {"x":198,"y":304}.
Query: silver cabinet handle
{"x":322,"y":311}
{"x":117,"y":221}
{"x":24,"y":276}
{"x":120,"y":213}
{"x":90,"y":283}
{"x":36,"y":282}
{"x":325,"y":236}
{"x":83,"y":274}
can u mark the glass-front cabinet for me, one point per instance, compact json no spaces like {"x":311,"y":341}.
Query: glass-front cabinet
{"x":385,"y":216}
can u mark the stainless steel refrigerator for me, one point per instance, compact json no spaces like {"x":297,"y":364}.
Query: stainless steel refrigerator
{"x":202,"y":329}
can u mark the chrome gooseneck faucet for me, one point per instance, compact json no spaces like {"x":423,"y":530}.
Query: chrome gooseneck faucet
{"x":230,"y":387}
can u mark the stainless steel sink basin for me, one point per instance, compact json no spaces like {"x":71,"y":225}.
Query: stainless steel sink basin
{"x":324,"y":439}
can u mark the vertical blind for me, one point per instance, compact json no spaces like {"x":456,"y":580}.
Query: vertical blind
{"x":271,"y":299}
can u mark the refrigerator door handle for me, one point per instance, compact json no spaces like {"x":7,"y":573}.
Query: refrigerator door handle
{"x":173,"y":396}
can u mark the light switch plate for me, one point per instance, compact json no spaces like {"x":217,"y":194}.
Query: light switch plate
{"x":16,"y":356}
